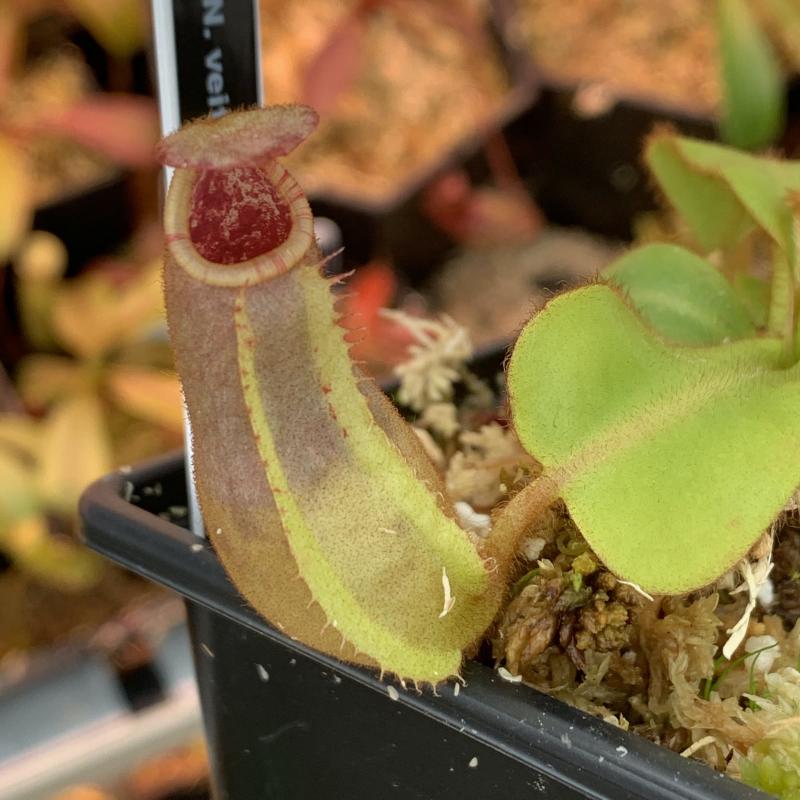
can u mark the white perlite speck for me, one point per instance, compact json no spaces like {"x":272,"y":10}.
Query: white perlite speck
{"x":393,"y":693}
{"x":262,"y":673}
{"x":766,"y":594}
{"x":763,"y":661}
{"x":532,"y":547}
{"x":473,"y":762}
{"x":623,"y":751}
{"x":471,"y":520}
{"x":507,"y":676}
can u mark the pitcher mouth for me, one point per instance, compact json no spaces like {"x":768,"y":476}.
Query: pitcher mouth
{"x":240,"y":263}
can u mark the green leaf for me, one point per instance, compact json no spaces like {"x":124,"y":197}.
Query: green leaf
{"x":754,"y":295}
{"x":77,"y":451}
{"x":712,"y":211}
{"x":682,"y":296}
{"x":55,"y":561}
{"x":672,"y":461}
{"x":722,"y":193}
{"x":753,"y":86}
{"x":19,"y":496}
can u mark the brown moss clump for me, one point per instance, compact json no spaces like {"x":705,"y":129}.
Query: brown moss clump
{"x":572,"y":629}
{"x":786,"y":574}
{"x":570,"y":621}
{"x":653,"y":666}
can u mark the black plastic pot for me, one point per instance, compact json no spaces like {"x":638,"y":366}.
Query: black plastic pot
{"x":583,"y":166}
{"x":53,"y":30}
{"x":585,"y":169}
{"x":283,"y":721}
{"x":91,"y":221}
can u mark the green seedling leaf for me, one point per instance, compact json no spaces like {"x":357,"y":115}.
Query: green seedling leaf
{"x":682,"y":296}
{"x":722,"y":194}
{"x":672,"y":461}
{"x":319,"y":499}
{"x":78,"y":451}
{"x":753,"y":86}
{"x":19,"y":497}
{"x":753,"y":293}
{"x":54,"y":561}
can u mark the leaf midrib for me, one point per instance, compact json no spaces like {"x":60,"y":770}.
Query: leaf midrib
{"x":697,"y":393}
{"x":711,"y":325}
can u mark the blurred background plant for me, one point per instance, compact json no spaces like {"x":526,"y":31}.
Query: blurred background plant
{"x":97,"y":392}
{"x":731,"y":58}
{"x":382,"y":72}
{"x":87,"y":382}
{"x":58,"y":134}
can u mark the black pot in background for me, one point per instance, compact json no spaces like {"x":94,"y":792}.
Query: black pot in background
{"x":584,"y":169}
{"x":90,"y":221}
{"x":53,"y":30}
{"x":395,"y":227}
